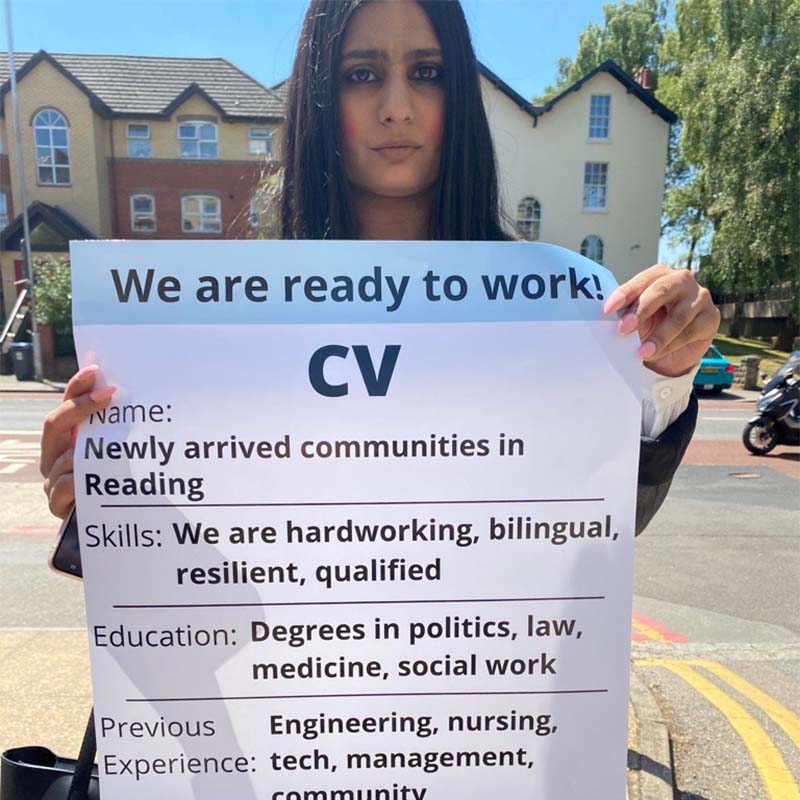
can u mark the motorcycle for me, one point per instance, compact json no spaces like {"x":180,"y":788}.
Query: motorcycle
{"x":778,"y":418}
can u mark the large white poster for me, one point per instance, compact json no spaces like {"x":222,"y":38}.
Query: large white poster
{"x":358,"y":523}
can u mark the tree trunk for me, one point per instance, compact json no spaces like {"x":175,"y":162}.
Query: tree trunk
{"x":691,"y":252}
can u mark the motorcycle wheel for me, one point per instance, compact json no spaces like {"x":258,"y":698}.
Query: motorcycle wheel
{"x":760,"y":436}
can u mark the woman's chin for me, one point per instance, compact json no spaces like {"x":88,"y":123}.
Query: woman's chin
{"x":399,"y":189}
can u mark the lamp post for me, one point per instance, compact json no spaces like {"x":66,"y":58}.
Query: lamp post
{"x":25,"y":249}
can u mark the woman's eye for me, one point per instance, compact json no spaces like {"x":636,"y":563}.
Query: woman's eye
{"x":360,"y":75}
{"x":429,"y":72}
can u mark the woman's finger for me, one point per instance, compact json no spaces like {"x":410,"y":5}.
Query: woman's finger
{"x":627,"y":293}
{"x":673,"y":323}
{"x":58,"y":424}
{"x":665,"y":292}
{"x":701,"y":329}
{"x":82,"y":381}
{"x":61,"y":466}
{"x":62,"y":495}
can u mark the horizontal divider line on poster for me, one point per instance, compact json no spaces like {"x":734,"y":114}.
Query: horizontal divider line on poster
{"x":355,"y":503}
{"x":364,"y":694}
{"x":361,"y":602}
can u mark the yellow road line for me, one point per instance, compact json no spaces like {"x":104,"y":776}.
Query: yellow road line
{"x":777,"y":779}
{"x":788,"y":721}
{"x":647,"y":631}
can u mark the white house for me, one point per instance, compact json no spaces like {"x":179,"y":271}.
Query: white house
{"x":586,"y":170}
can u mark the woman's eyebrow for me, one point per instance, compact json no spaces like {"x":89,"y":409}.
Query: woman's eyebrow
{"x":381,"y":55}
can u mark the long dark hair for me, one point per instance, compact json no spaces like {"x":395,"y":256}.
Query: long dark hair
{"x":315,"y":198}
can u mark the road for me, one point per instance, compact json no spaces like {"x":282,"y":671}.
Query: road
{"x":716,"y":626}
{"x":719,"y":571}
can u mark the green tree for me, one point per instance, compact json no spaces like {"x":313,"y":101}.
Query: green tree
{"x":631,"y":35}
{"x":731,"y":70}
{"x":52,"y":280}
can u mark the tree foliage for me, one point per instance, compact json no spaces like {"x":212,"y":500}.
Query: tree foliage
{"x":53,"y":292}
{"x":631,"y":35}
{"x":731,"y":70}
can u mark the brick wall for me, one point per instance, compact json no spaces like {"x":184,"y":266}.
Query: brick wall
{"x":169,"y":180}
{"x":5,"y":185}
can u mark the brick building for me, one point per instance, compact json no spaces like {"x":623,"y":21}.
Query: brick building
{"x":130,"y":147}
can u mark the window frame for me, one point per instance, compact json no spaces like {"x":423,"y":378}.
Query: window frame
{"x":535,"y":218}
{"x":586,"y":185}
{"x":4,"y":211}
{"x":135,"y":214}
{"x":201,"y":198}
{"x":607,"y":117}
{"x":597,"y":240}
{"x":52,"y":166}
{"x":269,"y":150}
{"x":139,"y":139}
{"x":197,"y":123}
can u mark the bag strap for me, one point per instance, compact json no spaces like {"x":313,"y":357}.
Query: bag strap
{"x":79,"y":788}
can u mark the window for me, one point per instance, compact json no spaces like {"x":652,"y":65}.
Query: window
{"x":592,"y":247}
{"x":3,"y":210}
{"x":197,"y":139}
{"x":595,"y":184}
{"x":139,"y":141}
{"x":52,"y":147}
{"x":254,"y":215}
{"x":599,"y":112}
{"x":260,"y":142}
{"x":529,"y":218}
{"x":143,"y":213}
{"x":201,"y":214}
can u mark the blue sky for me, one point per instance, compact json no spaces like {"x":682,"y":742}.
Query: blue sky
{"x":520,"y":40}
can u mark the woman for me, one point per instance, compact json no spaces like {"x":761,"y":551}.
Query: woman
{"x":386,"y":137}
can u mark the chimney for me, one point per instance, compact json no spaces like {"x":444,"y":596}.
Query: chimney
{"x":644,"y":77}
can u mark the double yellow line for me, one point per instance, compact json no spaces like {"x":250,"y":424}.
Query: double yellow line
{"x":777,"y":779}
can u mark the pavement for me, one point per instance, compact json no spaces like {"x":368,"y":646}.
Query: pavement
{"x":9,"y":383}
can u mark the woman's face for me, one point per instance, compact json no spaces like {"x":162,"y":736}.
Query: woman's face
{"x":391,"y":99}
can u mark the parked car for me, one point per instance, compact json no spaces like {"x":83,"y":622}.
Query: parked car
{"x":715,"y":373}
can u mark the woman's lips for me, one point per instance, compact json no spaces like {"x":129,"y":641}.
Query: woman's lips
{"x":396,"y":153}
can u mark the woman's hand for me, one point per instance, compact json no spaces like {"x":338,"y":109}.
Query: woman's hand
{"x":58,"y":437}
{"x":674,"y":315}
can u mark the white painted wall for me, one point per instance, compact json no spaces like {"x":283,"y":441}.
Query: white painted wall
{"x":548,"y":162}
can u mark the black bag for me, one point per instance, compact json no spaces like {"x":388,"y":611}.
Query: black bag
{"x":36,"y":773}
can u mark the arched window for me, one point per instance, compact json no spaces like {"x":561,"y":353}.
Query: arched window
{"x":52,"y":147}
{"x":529,"y":218}
{"x":592,"y":247}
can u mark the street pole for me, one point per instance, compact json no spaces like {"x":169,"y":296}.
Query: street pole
{"x":26,"y":242}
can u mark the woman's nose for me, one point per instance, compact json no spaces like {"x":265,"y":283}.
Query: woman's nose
{"x":396,"y":101}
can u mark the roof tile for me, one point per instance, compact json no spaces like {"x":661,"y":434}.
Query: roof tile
{"x":148,"y":84}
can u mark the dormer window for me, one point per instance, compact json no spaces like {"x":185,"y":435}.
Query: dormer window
{"x":197,"y":139}
{"x":138,"y":135}
{"x":260,"y":142}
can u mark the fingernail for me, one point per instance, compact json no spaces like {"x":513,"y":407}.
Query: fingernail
{"x":628,"y":323}
{"x":87,"y":370}
{"x":646,"y":350}
{"x":614,"y":302}
{"x":98,"y":395}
